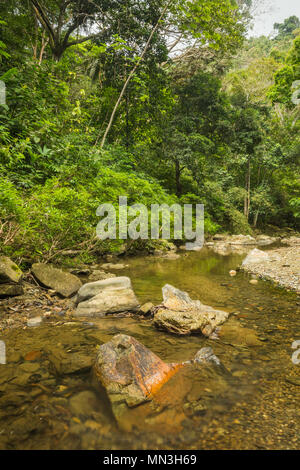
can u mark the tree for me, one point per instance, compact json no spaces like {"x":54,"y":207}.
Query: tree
{"x":61,"y":20}
{"x":204,"y":22}
{"x":282,"y":90}
{"x":287,"y":28}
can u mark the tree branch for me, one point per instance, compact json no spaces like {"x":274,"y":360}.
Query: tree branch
{"x":43,"y":18}
{"x":132,"y":73}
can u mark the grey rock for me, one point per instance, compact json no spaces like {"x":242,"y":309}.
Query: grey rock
{"x":64,"y":283}
{"x":206,"y":356}
{"x":36,"y":321}
{"x":10,"y":290}
{"x":108,"y":296}
{"x":255,"y":256}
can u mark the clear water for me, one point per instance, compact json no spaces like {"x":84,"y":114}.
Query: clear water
{"x":254,"y":405}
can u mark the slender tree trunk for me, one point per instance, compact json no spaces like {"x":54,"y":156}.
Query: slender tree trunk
{"x":131,"y":74}
{"x":127,"y":121}
{"x":177,"y":178}
{"x":45,"y":42}
{"x":255,"y":218}
{"x":248,"y":185}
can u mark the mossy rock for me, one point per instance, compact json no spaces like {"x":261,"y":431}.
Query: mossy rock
{"x":9,"y":271}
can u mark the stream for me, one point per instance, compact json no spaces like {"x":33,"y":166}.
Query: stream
{"x":252,"y":404}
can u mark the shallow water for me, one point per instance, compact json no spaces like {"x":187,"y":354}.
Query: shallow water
{"x":253,"y":404}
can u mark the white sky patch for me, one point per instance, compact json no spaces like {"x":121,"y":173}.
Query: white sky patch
{"x":270,"y":12}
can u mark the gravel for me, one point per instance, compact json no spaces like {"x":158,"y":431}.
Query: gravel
{"x":282,"y":267}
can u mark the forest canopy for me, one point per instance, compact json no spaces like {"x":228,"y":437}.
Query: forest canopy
{"x":156,"y":100}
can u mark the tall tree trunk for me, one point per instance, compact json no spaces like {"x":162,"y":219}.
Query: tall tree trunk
{"x":255,"y":218}
{"x":177,"y":178}
{"x":248,"y":185}
{"x":131,"y":74}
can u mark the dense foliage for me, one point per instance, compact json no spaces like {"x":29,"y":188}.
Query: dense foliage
{"x":204,"y":118}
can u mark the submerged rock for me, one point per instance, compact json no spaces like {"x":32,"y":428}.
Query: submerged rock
{"x":234,"y":333}
{"x":130,"y":372}
{"x":63,"y":363}
{"x":255,"y":256}
{"x":206,"y":356}
{"x":171,"y":255}
{"x":9,"y":271}
{"x":84,"y":403}
{"x":181,"y":315}
{"x":111,"y":295}
{"x":65,"y":284}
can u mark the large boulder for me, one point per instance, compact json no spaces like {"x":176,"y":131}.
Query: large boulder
{"x":64,"y":283}
{"x":9,"y":271}
{"x":130,"y":372}
{"x":108,"y":296}
{"x":181,"y":315}
{"x":167,"y":393}
{"x":255,"y":256}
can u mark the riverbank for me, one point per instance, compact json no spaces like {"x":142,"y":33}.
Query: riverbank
{"x":281,"y":266}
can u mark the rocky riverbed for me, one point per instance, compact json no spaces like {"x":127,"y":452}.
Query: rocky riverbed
{"x":234,"y":386}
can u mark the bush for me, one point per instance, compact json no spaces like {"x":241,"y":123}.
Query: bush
{"x":237,"y":222}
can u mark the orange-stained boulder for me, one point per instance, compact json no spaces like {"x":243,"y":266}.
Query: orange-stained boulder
{"x":130,"y":372}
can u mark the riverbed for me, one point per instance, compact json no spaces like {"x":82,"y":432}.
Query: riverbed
{"x":48,"y":399}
